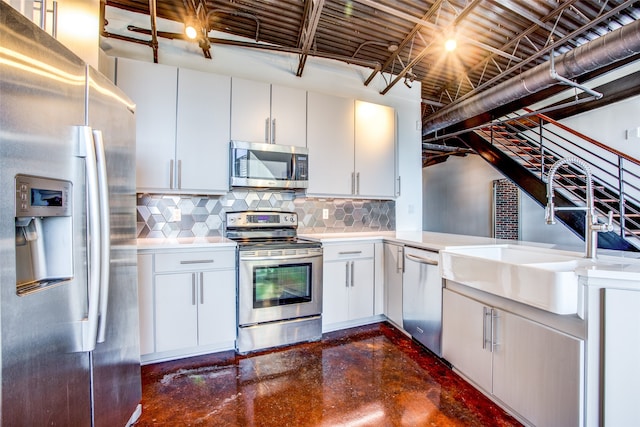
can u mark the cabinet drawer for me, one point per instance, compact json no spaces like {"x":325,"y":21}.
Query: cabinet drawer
{"x":338,"y":252}
{"x":194,"y":261}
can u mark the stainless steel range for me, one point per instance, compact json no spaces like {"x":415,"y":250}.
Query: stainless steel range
{"x":279,"y":280}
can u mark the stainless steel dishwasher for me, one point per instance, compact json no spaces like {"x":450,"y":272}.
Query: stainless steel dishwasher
{"x":422,"y":297}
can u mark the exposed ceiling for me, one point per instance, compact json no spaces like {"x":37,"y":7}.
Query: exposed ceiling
{"x":497,"y":40}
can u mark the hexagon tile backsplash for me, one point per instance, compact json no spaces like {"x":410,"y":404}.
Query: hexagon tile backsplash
{"x":170,"y":216}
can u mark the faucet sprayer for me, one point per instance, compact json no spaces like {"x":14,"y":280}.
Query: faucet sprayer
{"x":592,"y":228}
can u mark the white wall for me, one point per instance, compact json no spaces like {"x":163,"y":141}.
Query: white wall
{"x":458,"y":196}
{"x":320,"y":75}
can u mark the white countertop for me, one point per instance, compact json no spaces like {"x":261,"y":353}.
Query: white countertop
{"x":607,"y":267}
{"x":184,"y":243}
{"x":422,"y":239}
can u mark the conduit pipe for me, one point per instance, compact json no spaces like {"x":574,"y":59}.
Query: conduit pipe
{"x":614,"y":46}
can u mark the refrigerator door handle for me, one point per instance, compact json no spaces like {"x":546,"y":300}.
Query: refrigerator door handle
{"x":90,"y":324}
{"x":105,"y":232}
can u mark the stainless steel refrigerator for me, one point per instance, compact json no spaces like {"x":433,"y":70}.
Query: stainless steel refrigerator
{"x":68,"y":291}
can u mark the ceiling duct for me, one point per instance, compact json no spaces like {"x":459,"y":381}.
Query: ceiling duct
{"x":614,"y":46}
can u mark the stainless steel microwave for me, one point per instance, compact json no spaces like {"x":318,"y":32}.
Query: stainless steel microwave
{"x":261,"y":165}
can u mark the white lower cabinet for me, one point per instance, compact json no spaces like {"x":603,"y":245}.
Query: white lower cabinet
{"x":393,"y":269}
{"x":348,"y":284}
{"x":187,"y":303}
{"x":534,"y":370}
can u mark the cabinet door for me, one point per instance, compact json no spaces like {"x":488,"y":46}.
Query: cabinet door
{"x":361,"y":290}
{"x":250,"y":110}
{"x":202,"y":137}
{"x":335,"y":306}
{"x":537,"y":371}
{"x":176,"y":311}
{"x":375,"y":150}
{"x":464,"y":330}
{"x":145,"y":303}
{"x":289,"y":116}
{"x":153,"y":87}
{"x":393,"y":266}
{"x":217,"y":307}
{"x":330,"y":133}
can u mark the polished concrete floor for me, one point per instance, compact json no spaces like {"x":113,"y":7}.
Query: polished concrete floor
{"x":367,"y":376}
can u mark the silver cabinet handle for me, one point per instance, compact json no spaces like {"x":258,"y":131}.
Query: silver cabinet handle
{"x":352,"y":274}
{"x":494,"y":325}
{"x":485,"y":313}
{"x":399,"y":186}
{"x":197,"y":261}
{"x":273,"y":131}
{"x":193,"y":288}
{"x":171,"y":174}
{"x":400,"y":261}
{"x":421,"y":260}
{"x":201,"y":287}
{"x":266,"y":130}
{"x":346,"y":278}
{"x":179,"y":174}
{"x":54,"y":24}
{"x":43,"y":14}
{"x":349,"y":252}
{"x":353,"y":183}
{"x":357,"y":182}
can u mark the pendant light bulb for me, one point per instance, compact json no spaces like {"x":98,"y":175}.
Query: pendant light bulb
{"x":450,"y":45}
{"x":190,"y":30}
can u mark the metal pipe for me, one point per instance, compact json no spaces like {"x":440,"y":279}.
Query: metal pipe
{"x":614,"y":46}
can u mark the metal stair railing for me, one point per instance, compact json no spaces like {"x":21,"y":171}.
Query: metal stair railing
{"x":537,"y":141}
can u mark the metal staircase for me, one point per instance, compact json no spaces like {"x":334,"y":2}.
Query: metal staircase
{"x":525,"y":146}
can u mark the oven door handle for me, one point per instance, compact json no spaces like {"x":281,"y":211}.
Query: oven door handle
{"x":278,"y":257}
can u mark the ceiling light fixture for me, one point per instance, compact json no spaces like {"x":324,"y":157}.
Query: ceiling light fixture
{"x":190,"y":29}
{"x":409,"y":78}
{"x":450,"y":45}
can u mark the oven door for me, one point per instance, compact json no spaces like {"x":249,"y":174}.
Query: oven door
{"x":278,"y":285}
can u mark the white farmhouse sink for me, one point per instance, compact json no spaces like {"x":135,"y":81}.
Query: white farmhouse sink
{"x":539,"y":277}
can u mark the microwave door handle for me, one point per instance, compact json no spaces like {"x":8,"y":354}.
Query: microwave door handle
{"x":90,"y":324}
{"x":105,"y":232}
{"x":294,"y":167}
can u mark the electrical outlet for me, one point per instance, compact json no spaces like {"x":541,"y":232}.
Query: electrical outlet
{"x":325,"y":213}
{"x":176,"y":215}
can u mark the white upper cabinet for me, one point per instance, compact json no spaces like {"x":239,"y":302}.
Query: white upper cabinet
{"x":153,"y":87}
{"x":266,"y":113}
{"x":182,"y":127}
{"x":202,"y":138}
{"x":352,"y":148}
{"x":330,"y":129}
{"x":375,"y":150}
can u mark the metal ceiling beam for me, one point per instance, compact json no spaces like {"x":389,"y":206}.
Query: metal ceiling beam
{"x":434,"y":27}
{"x":308,"y":33}
{"x":428,"y":48}
{"x":250,"y":45}
{"x":154,"y":29}
{"x":516,"y":40}
{"x":598,"y":53}
{"x":407,"y":39}
{"x":516,"y":68}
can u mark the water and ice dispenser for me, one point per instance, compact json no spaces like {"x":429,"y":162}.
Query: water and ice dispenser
{"x":44,"y":232}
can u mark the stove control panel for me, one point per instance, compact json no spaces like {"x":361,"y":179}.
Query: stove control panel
{"x":265,"y":219}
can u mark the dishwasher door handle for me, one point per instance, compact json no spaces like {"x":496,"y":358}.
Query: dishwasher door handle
{"x":421,"y":260}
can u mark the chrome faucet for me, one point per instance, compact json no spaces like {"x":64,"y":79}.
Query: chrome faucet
{"x":591,"y":227}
